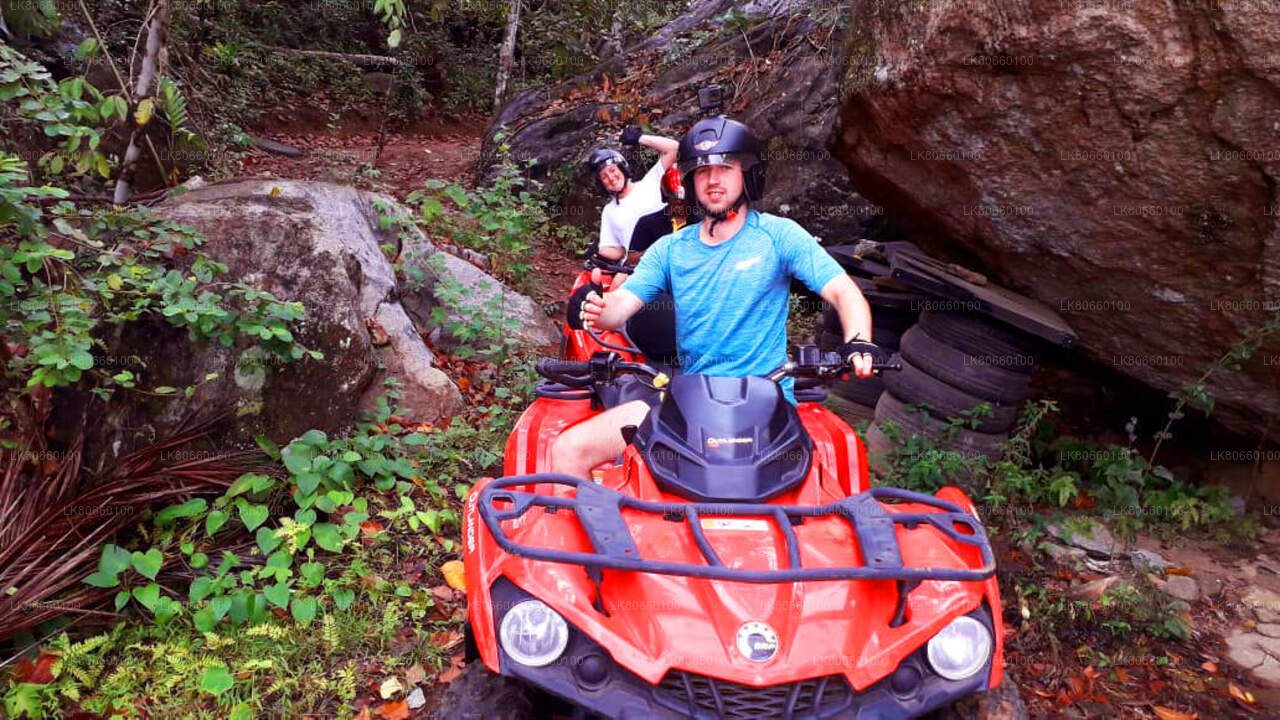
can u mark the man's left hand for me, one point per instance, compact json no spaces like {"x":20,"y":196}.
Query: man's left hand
{"x":860,"y":355}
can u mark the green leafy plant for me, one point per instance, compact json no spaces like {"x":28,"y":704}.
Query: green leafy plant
{"x":485,"y":330}
{"x":173,"y":108}
{"x":1062,"y":472}
{"x":226,"y":55}
{"x":77,"y":270}
{"x":1196,"y":393}
{"x":392,"y":14}
{"x":499,"y":220}
{"x":72,"y":111}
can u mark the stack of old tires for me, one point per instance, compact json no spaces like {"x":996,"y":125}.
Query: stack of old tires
{"x":951,"y":363}
{"x":892,"y":314}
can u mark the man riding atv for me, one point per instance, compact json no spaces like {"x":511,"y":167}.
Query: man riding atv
{"x":630,"y":201}
{"x":729,"y":277}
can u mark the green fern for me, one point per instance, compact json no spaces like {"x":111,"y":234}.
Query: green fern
{"x":173,"y":107}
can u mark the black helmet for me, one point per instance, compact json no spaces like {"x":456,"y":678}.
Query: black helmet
{"x":713,"y":140}
{"x":606,"y":156}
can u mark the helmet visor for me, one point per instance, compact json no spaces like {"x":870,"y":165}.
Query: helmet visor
{"x":744,"y":160}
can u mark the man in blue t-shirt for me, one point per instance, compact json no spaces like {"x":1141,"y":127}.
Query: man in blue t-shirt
{"x":729,"y":276}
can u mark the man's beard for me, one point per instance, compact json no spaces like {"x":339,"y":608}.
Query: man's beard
{"x":722,"y":215}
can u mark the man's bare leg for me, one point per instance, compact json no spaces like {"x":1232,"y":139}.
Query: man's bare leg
{"x":594,"y":441}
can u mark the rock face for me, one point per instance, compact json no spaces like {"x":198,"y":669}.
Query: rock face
{"x":1093,"y":537}
{"x":784,"y":66}
{"x":1116,"y":161}
{"x":1257,"y":654}
{"x":317,"y":244}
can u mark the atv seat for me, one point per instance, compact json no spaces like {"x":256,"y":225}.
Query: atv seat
{"x":653,"y":331}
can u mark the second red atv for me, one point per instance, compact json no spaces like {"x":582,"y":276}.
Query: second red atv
{"x":734,"y":563}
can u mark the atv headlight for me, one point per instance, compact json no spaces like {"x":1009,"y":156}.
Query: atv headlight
{"x":533,"y":634}
{"x":960,"y":649}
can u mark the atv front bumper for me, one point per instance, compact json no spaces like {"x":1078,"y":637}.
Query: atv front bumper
{"x":586,"y":676}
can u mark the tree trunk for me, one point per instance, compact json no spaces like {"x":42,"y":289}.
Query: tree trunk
{"x":507,"y":53}
{"x":142,"y":90}
{"x":615,"y":31}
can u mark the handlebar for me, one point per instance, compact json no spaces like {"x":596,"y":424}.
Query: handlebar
{"x":814,"y":363}
{"x":599,"y":370}
{"x":604,"y":366}
{"x":552,"y":366}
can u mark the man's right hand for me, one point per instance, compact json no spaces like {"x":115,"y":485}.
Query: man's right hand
{"x":592,"y":306}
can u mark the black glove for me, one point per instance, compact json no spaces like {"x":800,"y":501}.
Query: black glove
{"x":630,"y":135}
{"x":854,"y":347}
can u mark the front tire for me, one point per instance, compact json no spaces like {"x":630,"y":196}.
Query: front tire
{"x":479,"y":694}
{"x":1002,"y":703}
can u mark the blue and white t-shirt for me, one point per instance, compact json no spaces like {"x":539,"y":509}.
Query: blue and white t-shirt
{"x":731,"y":299}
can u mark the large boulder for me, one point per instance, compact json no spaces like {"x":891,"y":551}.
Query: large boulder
{"x":315,"y":243}
{"x":472,"y":297}
{"x":780,"y":71}
{"x":1116,"y":161}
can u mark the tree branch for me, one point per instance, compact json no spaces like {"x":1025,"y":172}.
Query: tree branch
{"x":106,"y":52}
{"x":353,"y":58}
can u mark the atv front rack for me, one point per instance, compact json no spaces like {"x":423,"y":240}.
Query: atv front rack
{"x":599,"y":511}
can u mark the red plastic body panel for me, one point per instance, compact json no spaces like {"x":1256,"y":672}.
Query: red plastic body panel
{"x":660,"y":622}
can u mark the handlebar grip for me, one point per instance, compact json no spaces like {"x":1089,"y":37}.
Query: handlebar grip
{"x":551,"y":366}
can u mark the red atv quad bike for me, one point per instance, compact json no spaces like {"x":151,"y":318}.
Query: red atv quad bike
{"x":734,"y":563}
{"x":648,"y":336}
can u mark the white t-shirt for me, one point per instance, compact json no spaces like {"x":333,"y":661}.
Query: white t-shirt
{"x":618,"y":218}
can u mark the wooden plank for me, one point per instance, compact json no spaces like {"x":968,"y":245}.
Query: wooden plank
{"x":856,"y":264}
{"x":1031,"y":316}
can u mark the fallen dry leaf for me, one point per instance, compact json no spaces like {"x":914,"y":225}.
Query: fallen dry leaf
{"x":378,"y":335}
{"x":448,"y":676}
{"x":390,"y":687}
{"x":442,"y":593}
{"x":398,"y":710}
{"x":40,"y":672}
{"x":1243,"y":696}
{"x":416,"y":675}
{"x":1180,"y":570}
{"x":371,"y":527}
{"x":455,"y":574}
{"x":1210,"y":667}
{"x":1165,"y":713}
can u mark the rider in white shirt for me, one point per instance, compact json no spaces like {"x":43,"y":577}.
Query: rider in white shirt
{"x":631,"y":200}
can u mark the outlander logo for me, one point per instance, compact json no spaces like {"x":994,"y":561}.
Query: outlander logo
{"x":715,"y":442}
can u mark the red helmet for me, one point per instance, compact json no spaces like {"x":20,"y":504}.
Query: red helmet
{"x":672,"y":188}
